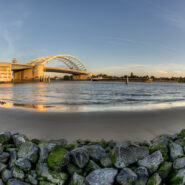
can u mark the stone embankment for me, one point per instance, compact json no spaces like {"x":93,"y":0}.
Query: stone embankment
{"x":31,"y":162}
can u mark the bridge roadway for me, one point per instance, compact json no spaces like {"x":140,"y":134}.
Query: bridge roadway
{"x":20,"y":67}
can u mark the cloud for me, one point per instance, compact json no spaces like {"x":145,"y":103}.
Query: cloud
{"x":159,"y":70}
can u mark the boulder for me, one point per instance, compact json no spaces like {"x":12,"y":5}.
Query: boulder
{"x":123,"y":157}
{"x":2,"y":166}
{"x":165,"y":169}
{"x":5,"y":175}
{"x":152,"y":161}
{"x":91,"y":166}
{"x":30,"y":179}
{"x":19,"y":139}
{"x":142,"y":175}
{"x":179,"y":163}
{"x":23,"y":164}
{"x":29,"y":151}
{"x":5,"y":137}
{"x":71,"y":168}
{"x":16,"y":182}
{"x":18,"y":173}
{"x":77,"y":180}
{"x":12,"y":159}
{"x":101,"y":176}
{"x":80,"y":156}
{"x":96,"y":152}
{"x":58,"y":157}
{"x":155,"y":179}
{"x":176,"y":151}
{"x":4,"y":157}
{"x":177,"y":177}
{"x":106,"y":161}
{"x":43,"y":152}
{"x":126,"y":177}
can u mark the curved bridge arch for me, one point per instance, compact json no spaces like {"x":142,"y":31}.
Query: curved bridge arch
{"x":70,"y":61}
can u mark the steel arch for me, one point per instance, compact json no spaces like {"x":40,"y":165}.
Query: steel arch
{"x":69,"y":60}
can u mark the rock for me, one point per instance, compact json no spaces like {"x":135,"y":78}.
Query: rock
{"x":177,"y":177}
{"x":16,"y":182}
{"x":126,"y":177}
{"x":13,"y":157}
{"x":162,"y":147}
{"x":179,"y":163}
{"x":28,"y":150}
{"x":152,"y":161}
{"x":106,"y":161}
{"x":163,"y":139}
{"x":72,"y":169}
{"x":5,"y":137}
{"x":23,"y":164}
{"x":61,"y":142}
{"x":181,"y":135}
{"x":80,"y":156}
{"x":43,"y":152}
{"x":77,"y":180}
{"x":19,"y":139}
{"x":104,"y":176}
{"x":96,"y":152}
{"x":30,"y":179}
{"x":58,"y":157}
{"x":122,"y":157}
{"x":2,"y":166}
{"x":142,"y":175}
{"x":1,"y":148}
{"x":165,"y":169}
{"x":4,"y":157}
{"x":1,"y":182}
{"x":155,"y":179}
{"x":91,"y":166}
{"x":6,"y":174}
{"x":54,"y":177}
{"x":18,"y":173}
{"x":176,"y":151}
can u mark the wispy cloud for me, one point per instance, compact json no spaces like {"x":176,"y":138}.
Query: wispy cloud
{"x":160,"y":70}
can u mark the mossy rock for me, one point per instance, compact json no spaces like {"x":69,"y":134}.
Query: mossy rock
{"x":181,"y":135}
{"x":36,"y":141}
{"x":91,"y":165}
{"x":162,"y":148}
{"x":72,"y":169}
{"x":77,"y":180}
{"x":5,"y":137}
{"x":154,"y":179}
{"x":46,"y":183}
{"x":165,"y":169}
{"x":59,"y":178}
{"x":58,"y":157}
{"x":101,"y":142}
{"x":175,"y":179}
{"x":113,"y":157}
{"x":69,"y":147}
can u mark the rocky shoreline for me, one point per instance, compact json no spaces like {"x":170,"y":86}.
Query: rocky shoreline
{"x":160,"y":161}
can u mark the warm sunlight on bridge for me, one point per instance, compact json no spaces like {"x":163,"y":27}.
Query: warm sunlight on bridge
{"x":34,"y":69}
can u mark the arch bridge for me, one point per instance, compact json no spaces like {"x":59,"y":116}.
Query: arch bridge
{"x":34,"y":69}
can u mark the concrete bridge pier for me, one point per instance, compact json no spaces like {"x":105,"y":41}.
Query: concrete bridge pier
{"x":82,"y":77}
{"x":34,"y":74}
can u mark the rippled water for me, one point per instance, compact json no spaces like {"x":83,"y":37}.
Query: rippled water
{"x":90,"y":95}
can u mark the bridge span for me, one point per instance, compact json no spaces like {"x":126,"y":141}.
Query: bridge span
{"x":33,"y":71}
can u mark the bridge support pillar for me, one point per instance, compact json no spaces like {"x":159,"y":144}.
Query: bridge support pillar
{"x":5,"y":72}
{"x":82,"y":77}
{"x":34,"y":74}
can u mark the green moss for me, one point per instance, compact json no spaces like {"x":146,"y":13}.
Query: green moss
{"x":160,"y":147}
{"x":60,"y":176}
{"x":91,"y":165}
{"x":113,"y":157}
{"x":175,"y":180}
{"x":4,"y":138}
{"x":101,"y":142}
{"x":72,"y":169}
{"x":181,"y":135}
{"x":154,"y":179}
{"x":36,"y":141}
{"x":45,"y":183}
{"x":69,"y":147}
{"x":165,"y":169}
{"x":57,"y":157}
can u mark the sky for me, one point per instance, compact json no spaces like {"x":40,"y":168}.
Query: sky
{"x":116,"y":37}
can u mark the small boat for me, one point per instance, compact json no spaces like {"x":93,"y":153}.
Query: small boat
{"x":97,"y":78}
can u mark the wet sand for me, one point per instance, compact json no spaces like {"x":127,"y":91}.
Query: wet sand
{"x":92,"y":125}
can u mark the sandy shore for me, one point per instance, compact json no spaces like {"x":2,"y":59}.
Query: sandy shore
{"x":95,"y":125}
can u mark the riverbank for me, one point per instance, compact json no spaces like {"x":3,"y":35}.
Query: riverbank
{"x":86,"y":162}
{"x":120,"y":126}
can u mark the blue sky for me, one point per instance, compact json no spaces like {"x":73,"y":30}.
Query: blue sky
{"x":108,"y":36}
